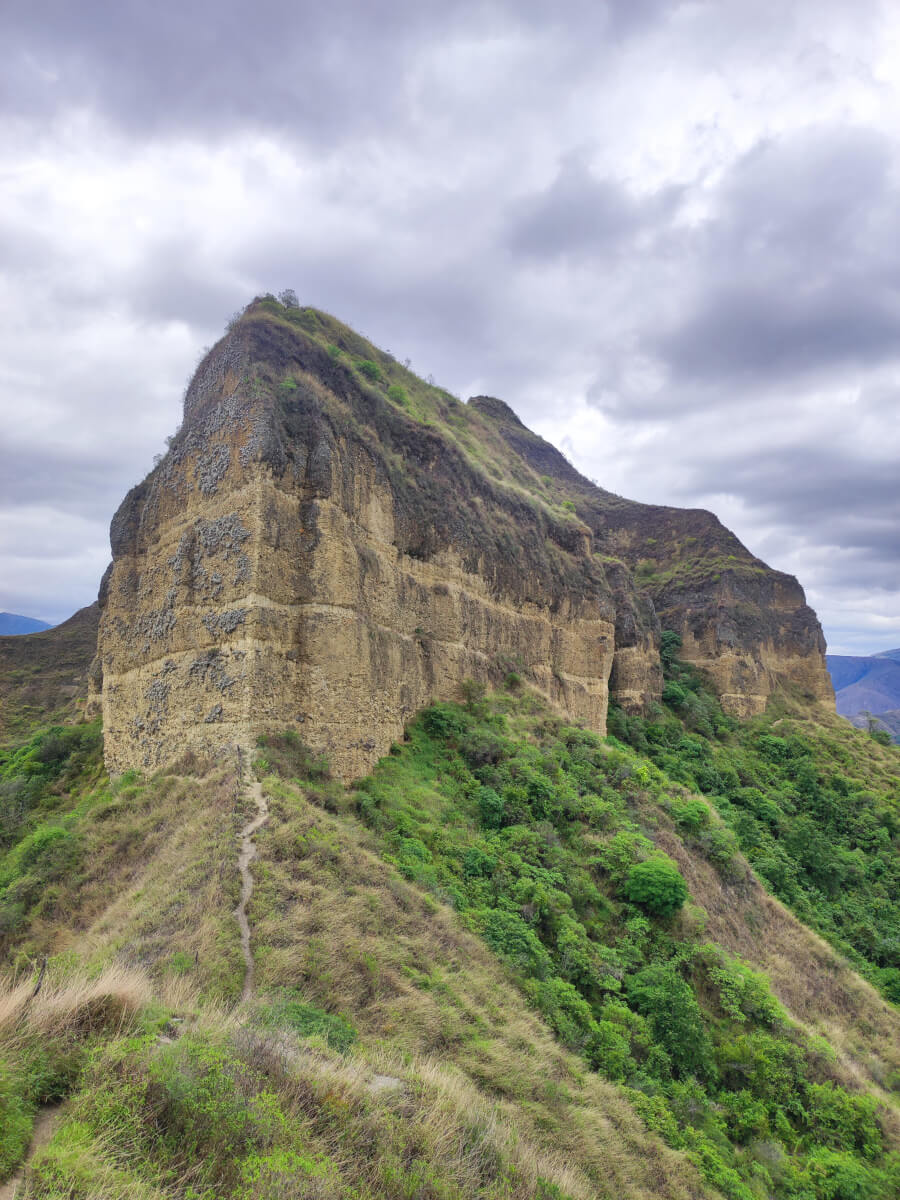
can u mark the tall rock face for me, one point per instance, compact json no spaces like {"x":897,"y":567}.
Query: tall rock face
{"x":330,"y":544}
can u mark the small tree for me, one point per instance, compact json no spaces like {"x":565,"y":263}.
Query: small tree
{"x":669,"y":645}
{"x":657,"y":885}
{"x":289,"y":298}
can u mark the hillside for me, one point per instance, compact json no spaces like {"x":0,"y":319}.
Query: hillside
{"x":13,"y":623}
{"x":515,"y":961}
{"x":43,"y":676}
{"x":443,"y":826}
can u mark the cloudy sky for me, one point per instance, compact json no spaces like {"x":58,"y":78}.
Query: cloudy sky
{"x":667,"y":233}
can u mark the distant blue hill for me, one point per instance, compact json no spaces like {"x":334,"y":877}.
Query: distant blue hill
{"x":869,"y":684}
{"x":11,"y":623}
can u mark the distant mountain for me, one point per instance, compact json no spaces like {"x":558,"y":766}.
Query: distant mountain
{"x":869,"y":684}
{"x":886,"y":720}
{"x":13,"y":623}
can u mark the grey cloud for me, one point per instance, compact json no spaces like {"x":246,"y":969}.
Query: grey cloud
{"x":747,"y":331}
{"x":580,"y":214}
{"x":312,"y":71}
{"x":845,"y":502}
{"x":798,"y":270}
{"x":91,"y":484}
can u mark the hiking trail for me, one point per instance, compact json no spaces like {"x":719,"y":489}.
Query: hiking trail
{"x":245,"y":858}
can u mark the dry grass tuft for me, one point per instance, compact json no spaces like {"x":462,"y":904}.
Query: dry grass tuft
{"x":74,"y":1005}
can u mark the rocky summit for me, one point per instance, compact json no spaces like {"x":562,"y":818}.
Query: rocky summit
{"x":330,"y":544}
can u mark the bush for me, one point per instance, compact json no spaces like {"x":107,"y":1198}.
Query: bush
{"x":691,"y":815}
{"x":660,"y":994}
{"x":515,"y":941}
{"x":490,"y":808}
{"x":369,"y":370}
{"x":674,"y":694}
{"x":657,"y":885}
{"x":669,"y":645}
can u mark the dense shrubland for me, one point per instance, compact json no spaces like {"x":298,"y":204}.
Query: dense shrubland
{"x":541,"y":837}
{"x":815,"y":807}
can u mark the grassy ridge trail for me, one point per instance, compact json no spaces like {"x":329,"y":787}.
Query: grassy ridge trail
{"x":245,"y":858}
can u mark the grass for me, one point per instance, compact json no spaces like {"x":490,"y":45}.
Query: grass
{"x":455,"y":994}
{"x":114,"y":865}
{"x":47,"y":1026}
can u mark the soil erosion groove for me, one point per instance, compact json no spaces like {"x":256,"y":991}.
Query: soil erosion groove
{"x":245,"y":858}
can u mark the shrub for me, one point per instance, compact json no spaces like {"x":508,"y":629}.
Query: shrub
{"x":369,"y":370}
{"x":510,"y":937}
{"x":566,"y":1009}
{"x":692,"y":815}
{"x":669,"y":645}
{"x":398,"y":394}
{"x":674,"y":694}
{"x":660,"y":994}
{"x":657,"y":885}
{"x":608,"y":1051}
{"x":306,"y":1020}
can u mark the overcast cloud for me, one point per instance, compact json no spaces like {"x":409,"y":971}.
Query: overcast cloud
{"x":667,"y":233}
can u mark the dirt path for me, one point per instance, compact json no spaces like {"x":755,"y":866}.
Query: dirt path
{"x":245,"y":858}
{"x":44,"y":1124}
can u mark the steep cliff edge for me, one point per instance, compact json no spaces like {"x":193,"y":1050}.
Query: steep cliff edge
{"x":330,"y":543}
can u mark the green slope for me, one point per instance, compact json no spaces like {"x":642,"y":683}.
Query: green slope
{"x":514,"y":961}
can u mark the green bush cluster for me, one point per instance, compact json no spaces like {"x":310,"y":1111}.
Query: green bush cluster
{"x":657,"y":885}
{"x":41,"y":842}
{"x":812,"y":811}
{"x":539,"y":835}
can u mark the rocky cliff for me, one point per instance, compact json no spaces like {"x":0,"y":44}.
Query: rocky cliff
{"x":330,"y":543}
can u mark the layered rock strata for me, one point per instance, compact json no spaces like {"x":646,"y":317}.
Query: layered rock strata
{"x":330,"y":544}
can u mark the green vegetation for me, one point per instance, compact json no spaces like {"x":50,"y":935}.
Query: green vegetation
{"x":369,"y":370}
{"x":226,"y":1110}
{"x":691,"y":568}
{"x":71,"y":840}
{"x":656,"y":885}
{"x":499,"y":875}
{"x":815,"y":806}
{"x":541,"y":838}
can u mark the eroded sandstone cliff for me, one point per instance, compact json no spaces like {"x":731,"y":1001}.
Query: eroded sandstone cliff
{"x":330,"y":544}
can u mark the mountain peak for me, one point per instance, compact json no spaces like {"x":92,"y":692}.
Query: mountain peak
{"x":332,"y":536}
